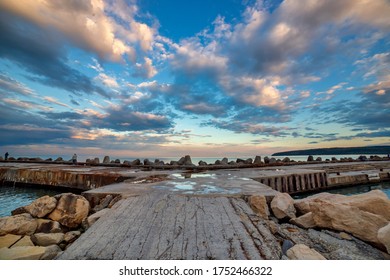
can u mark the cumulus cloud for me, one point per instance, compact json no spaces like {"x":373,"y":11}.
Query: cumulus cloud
{"x":88,"y":24}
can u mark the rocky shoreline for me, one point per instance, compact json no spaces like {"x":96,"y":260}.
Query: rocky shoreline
{"x":322,"y":226}
{"x":47,"y":226}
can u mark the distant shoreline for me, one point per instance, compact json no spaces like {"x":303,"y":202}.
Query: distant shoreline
{"x":370,"y":150}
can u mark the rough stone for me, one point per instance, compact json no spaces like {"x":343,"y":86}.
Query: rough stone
{"x":318,"y":159}
{"x":22,"y":224}
{"x":89,"y":221}
{"x":282,"y":206}
{"x":259,"y":205}
{"x":362,"y":224}
{"x":225,"y":161}
{"x":103,"y":203}
{"x":96,"y":160}
{"x":42,"y":206}
{"x":330,"y":245}
{"x":310,"y":158}
{"x":70,"y":211}
{"x":345,"y":236}
{"x":22,"y":253}
{"x":59,"y":159}
{"x":248,"y":161}
{"x":272,"y":160}
{"x":202,"y":163}
{"x":51,"y":252}
{"x":48,"y":226}
{"x":106,"y":159}
{"x":304,"y":221}
{"x":24,"y":241}
{"x":19,"y":210}
{"x":286,"y":245}
{"x":266,"y":160}
{"x":303,"y":252}
{"x":384,"y":237}
{"x":257,"y":160}
{"x":47,"y":239}
{"x":71,"y":236}
{"x":186,"y":160}
{"x":375,"y":202}
{"x":286,"y":160}
{"x":136,"y":162}
{"x":8,"y":240}
{"x":114,"y":200}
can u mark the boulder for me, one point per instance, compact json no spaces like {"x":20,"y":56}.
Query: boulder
{"x":136,"y":162}
{"x":89,"y":221}
{"x":8,"y":240}
{"x":114,"y":201}
{"x":51,"y":252}
{"x":257,"y":160}
{"x":71,"y":236}
{"x":266,"y":160}
{"x":22,"y":224}
{"x":24,"y":241}
{"x":340,"y":217}
{"x":147,"y":162}
{"x":59,"y":159}
{"x":272,"y":161}
{"x":286,"y":160}
{"x":248,"y":161}
{"x":186,"y":160}
{"x":48,"y":226}
{"x":22,"y":253}
{"x":47,"y":239}
{"x":103,"y":203}
{"x":106,"y":160}
{"x":319,"y":159}
{"x":304,"y":221}
{"x":19,"y":210}
{"x":42,"y":206}
{"x":384,"y":237}
{"x":282,"y":206}
{"x":225,"y":161}
{"x":96,"y":160}
{"x":259,"y":205}
{"x":310,"y":158}
{"x":217,"y":162}
{"x":303,"y":252}
{"x":375,"y":202}
{"x":202,"y":163}
{"x":71,"y":210}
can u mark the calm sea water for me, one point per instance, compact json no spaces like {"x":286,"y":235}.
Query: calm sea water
{"x":14,"y":197}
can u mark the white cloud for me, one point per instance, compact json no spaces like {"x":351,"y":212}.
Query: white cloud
{"x":108,"y":80}
{"x":91,"y":25}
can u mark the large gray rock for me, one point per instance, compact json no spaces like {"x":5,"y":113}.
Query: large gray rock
{"x":22,"y":224}
{"x":71,"y":210}
{"x":257,"y":160}
{"x":282,"y":206}
{"x":47,"y":239}
{"x":103,"y":203}
{"x":303,"y":252}
{"x":106,"y":160}
{"x":42,"y":206}
{"x":186,"y":160}
{"x":384,"y":237}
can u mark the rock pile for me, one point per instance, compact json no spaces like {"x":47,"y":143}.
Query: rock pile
{"x":48,"y":225}
{"x":329,"y":226}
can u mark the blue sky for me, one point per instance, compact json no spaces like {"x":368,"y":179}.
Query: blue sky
{"x":206,"y":78}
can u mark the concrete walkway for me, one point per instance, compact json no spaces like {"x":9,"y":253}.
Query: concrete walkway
{"x":170,"y":226}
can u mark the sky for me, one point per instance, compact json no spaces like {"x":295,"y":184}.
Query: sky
{"x":166,"y":78}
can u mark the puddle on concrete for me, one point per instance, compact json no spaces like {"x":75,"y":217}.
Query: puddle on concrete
{"x":192,"y":175}
{"x":194,"y":188}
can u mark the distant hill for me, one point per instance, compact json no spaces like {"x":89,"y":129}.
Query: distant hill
{"x":370,"y":150}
